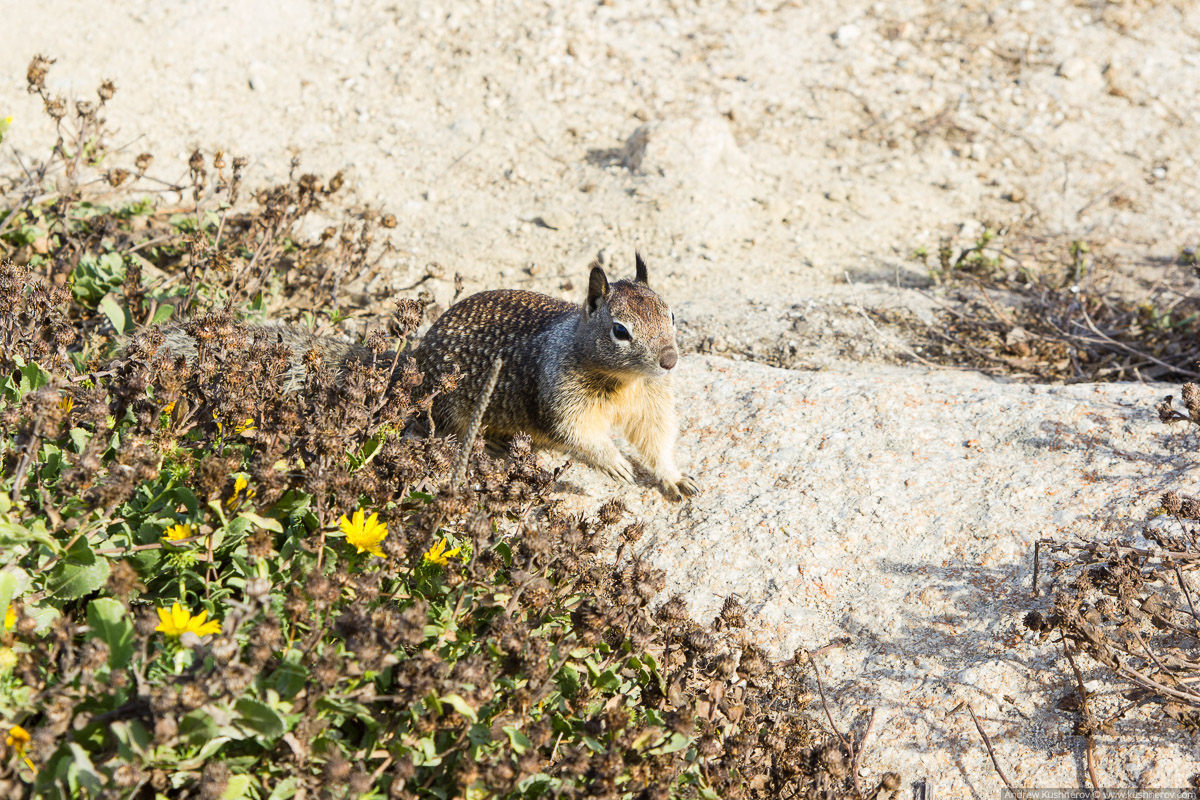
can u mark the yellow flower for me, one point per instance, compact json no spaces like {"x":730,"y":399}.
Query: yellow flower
{"x":365,"y":533}
{"x":240,"y":482}
{"x":18,"y":740}
{"x":246,"y":427}
{"x":66,"y":404}
{"x":10,"y":618}
{"x":178,"y":621}
{"x":438,"y":554}
{"x":169,"y":407}
{"x":178,"y":532}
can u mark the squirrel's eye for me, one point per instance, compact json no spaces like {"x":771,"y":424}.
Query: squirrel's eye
{"x":672,"y":317}
{"x":621,"y":332}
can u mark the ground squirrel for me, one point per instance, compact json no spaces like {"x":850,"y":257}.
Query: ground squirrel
{"x":570,"y":374}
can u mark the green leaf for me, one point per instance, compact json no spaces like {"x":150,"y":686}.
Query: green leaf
{"x":79,"y":438}
{"x":285,"y":789}
{"x":132,"y":738}
{"x":110,"y":623}
{"x":237,"y":787}
{"x":266,"y":523}
{"x":519,"y":741}
{"x":460,"y":705}
{"x":259,"y":718}
{"x":196,"y":728}
{"x":568,"y":681}
{"x":162,"y":314}
{"x":676,"y":743}
{"x":33,"y":377}
{"x":80,"y":773}
{"x":13,"y":535}
{"x":78,"y":573}
{"x":607,"y":680}
{"x":13,"y":581}
{"x":290,"y":677}
{"x":44,"y":617}
{"x":117,"y":314}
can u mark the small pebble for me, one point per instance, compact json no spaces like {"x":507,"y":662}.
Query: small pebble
{"x":555,"y":220}
{"x":1073,"y":68}
{"x":846,"y":34}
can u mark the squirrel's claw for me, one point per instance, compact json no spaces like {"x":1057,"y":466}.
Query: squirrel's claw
{"x":684,"y":487}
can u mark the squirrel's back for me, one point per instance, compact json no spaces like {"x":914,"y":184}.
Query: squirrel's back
{"x":517,"y":326}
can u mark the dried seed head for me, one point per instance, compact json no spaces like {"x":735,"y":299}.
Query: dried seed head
{"x":378,"y":343}
{"x":35,"y":75}
{"x":143,"y":162}
{"x":833,"y":761}
{"x":388,"y":221}
{"x":1189,"y":508}
{"x":56,"y":107}
{"x":1171,"y":503}
{"x":754,"y":662}
{"x":214,"y":779}
{"x":611,"y":513}
{"x":700,"y":642}
{"x":633,"y":532}
{"x":672,"y":612}
{"x":165,"y":729}
{"x":732,"y":613}
{"x":106,"y":91}
{"x":1191,"y":399}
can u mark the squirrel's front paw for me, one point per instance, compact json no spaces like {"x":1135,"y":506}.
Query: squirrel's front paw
{"x":684,"y":487}
{"x":621,"y":470}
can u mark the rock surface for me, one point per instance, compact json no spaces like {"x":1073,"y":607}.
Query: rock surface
{"x":778,"y":164}
{"x":899,"y":508}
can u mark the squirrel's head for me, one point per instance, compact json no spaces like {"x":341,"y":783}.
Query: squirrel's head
{"x":629,"y":327}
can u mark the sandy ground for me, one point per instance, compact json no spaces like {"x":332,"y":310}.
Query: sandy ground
{"x":772,"y":161}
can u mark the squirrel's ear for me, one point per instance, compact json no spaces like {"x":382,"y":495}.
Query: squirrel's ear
{"x":597,"y":289}
{"x":641,"y":269}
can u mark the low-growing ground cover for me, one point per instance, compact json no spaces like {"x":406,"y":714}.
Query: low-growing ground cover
{"x":215,"y":583}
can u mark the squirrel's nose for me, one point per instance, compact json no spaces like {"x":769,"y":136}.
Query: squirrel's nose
{"x":668,"y":357}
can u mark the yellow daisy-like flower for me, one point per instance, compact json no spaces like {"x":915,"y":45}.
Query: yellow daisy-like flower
{"x":66,"y":404}
{"x":246,"y":427}
{"x":177,"y":533}
{"x":240,"y":491}
{"x":438,"y":554}
{"x":178,"y":621}
{"x":365,"y":533}
{"x":18,"y":739}
{"x":169,"y":407}
{"x":10,"y":618}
